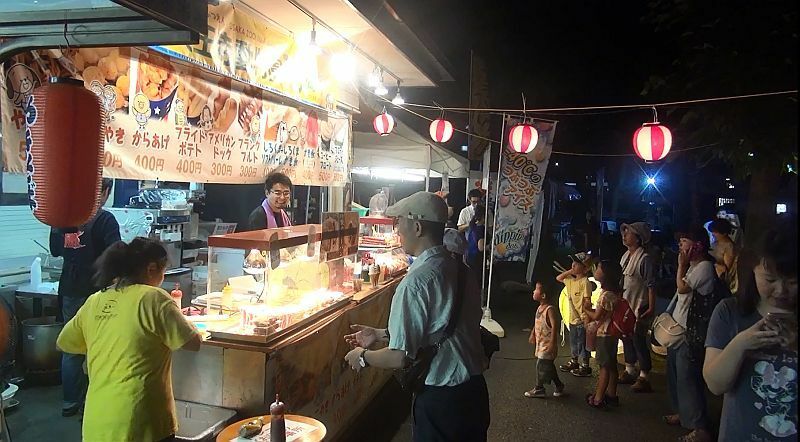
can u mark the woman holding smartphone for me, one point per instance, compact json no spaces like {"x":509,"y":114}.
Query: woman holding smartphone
{"x":751,"y":348}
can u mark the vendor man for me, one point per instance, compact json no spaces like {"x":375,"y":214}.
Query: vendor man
{"x":473,"y":198}
{"x":271,"y":213}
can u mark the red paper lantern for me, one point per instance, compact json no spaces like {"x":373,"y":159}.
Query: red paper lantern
{"x":64,"y":123}
{"x":523,"y":138}
{"x":652,"y":141}
{"x":441,"y":130}
{"x":383,"y":124}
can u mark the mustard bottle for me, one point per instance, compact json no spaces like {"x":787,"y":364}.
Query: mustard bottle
{"x":227,"y":297}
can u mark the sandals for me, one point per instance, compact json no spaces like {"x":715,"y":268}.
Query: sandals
{"x":671,"y":419}
{"x":697,"y":436}
{"x":594,"y":404}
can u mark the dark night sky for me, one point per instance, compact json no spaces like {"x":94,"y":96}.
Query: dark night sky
{"x":563,"y":54}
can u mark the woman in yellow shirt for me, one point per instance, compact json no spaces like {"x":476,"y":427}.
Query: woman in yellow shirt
{"x":128,"y":332}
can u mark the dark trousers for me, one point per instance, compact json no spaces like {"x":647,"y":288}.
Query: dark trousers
{"x":687,"y":389}
{"x":74,"y":381}
{"x":637,"y":347}
{"x":459,"y":413}
{"x":546,"y":373}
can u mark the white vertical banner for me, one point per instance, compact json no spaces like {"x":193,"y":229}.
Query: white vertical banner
{"x":519,"y":195}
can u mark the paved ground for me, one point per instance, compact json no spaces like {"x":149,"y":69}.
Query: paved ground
{"x":517,"y":418}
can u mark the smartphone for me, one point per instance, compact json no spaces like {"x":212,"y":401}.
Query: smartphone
{"x":785,"y":324}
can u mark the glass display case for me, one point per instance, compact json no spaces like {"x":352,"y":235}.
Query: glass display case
{"x":273,"y":281}
{"x":377,"y":232}
{"x":379,"y":245}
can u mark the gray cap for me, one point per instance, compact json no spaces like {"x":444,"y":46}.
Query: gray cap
{"x":421,"y":206}
{"x":641,"y":229}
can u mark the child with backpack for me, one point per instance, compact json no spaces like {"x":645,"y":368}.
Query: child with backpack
{"x":543,"y":335}
{"x":614,"y":317}
{"x":577,"y":285}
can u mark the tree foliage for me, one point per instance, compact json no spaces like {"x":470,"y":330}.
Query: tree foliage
{"x":723,"y":49}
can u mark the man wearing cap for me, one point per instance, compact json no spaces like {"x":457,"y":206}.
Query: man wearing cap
{"x":421,"y":309}
{"x":639,"y":290}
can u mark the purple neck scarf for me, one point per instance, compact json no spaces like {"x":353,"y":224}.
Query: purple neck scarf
{"x":271,"y":223}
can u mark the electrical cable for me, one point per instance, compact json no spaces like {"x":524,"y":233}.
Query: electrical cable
{"x":614,"y":106}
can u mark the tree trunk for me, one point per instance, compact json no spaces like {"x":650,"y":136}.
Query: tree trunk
{"x":760,"y":203}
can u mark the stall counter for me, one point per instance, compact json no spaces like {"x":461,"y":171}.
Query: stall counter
{"x":306,"y":368}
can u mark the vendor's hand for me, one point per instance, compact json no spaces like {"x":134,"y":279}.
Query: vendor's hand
{"x":759,"y":336}
{"x":363,"y":337}
{"x":352,"y":358}
{"x":683,"y":259}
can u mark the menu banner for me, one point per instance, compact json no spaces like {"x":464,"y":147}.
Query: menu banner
{"x":177,"y":122}
{"x":244,"y":46}
{"x":521,"y":180}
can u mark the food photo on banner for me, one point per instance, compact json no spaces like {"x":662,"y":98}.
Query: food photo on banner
{"x":518,"y":219}
{"x":174,"y":121}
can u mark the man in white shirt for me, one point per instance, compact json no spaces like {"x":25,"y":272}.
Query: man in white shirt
{"x":473,"y":197}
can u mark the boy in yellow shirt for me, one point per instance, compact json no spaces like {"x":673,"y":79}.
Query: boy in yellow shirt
{"x":578,"y":288}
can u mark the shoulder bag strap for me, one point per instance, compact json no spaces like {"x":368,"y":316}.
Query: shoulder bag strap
{"x":457,"y":302}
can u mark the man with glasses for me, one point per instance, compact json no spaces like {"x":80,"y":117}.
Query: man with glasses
{"x":271,"y":213}
{"x":473,"y":197}
{"x":454,"y":403}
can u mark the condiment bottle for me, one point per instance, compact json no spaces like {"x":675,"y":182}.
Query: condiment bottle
{"x":177,"y":295}
{"x":227,"y":297}
{"x":277,"y":421}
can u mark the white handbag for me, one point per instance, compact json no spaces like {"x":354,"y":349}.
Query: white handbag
{"x":666,"y":330}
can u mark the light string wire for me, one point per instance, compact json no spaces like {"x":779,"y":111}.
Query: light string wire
{"x":579,"y":154}
{"x":614,"y":106}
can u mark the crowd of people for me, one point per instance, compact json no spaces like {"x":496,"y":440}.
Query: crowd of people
{"x":730,"y":328}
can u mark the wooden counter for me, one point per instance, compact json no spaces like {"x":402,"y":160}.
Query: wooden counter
{"x":306,"y":368}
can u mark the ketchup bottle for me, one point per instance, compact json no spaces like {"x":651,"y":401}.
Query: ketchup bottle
{"x":277,"y":422}
{"x":177,"y":295}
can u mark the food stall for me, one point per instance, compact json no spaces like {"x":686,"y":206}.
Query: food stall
{"x":279,"y":302}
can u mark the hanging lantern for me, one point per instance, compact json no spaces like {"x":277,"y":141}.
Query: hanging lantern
{"x":523,"y":138}
{"x":64,"y":152}
{"x":383,"y":123}
{"x":652,"y":141}
{"x":441,"y":130}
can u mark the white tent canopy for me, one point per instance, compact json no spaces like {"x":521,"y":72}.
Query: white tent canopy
{"x":406,"y":149}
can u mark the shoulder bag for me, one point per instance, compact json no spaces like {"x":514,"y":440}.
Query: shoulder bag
{"x":412,"y":376}
{"x":666,"y":331}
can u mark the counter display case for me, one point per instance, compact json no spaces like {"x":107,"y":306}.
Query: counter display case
{"x":377,"y":232}
{"x":271,"y":282}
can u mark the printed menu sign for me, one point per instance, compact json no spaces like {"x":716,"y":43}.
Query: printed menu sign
{"x":172,"y":121}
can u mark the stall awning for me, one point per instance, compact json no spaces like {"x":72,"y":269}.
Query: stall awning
{"x":406,"y":151}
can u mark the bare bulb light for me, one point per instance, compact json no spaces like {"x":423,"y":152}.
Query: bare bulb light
{"x":398,"y":99}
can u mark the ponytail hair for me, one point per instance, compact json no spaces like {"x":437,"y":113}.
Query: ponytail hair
{"x":612,"y":276}
{"x":125,"y":264}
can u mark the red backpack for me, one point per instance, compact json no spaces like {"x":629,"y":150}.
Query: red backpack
{"x":623,"y":320}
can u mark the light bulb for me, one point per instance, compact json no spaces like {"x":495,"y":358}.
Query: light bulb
{"x":398,"y":99}
{"x":373,"y":80}
{"x":344,"y":66}
{"x":381,"y":90}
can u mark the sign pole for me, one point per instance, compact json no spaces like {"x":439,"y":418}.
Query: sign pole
{"x":487,"y":322}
